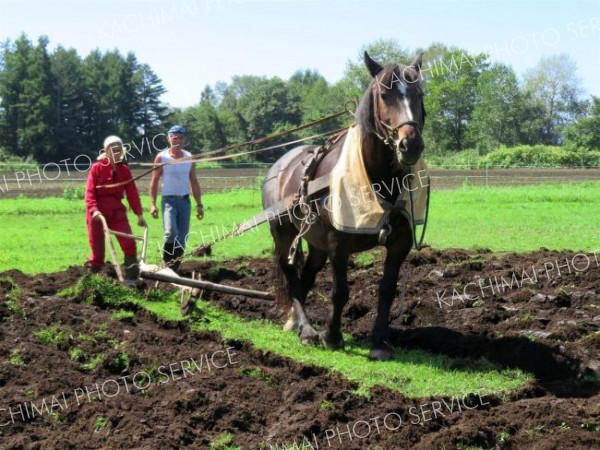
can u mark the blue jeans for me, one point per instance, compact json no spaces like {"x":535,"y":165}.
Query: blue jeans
{"x":176,"y":213}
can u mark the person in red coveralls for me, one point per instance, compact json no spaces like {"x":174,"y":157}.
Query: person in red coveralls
{"x":106,"y":201}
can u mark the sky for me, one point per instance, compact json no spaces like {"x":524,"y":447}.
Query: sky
{"x":192,"y":43}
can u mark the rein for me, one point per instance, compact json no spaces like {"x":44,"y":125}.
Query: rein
{"x":419,"y":244}
{"x":202,"y":158}
{"x":386,"y":133}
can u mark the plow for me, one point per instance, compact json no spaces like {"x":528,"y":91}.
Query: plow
{"x":188,"y":286}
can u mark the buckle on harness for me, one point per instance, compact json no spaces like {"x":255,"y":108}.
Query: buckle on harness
{"x":384,"y":233}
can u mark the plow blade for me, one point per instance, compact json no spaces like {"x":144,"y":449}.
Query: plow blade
{"x":169,"y":276}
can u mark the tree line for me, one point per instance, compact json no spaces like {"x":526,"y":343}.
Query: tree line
{"x":58,"y":105}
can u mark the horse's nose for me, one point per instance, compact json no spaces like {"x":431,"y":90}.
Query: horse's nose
{"x":410,"y":149}
{"x":410,"y":144}
{"x":404,"y":143}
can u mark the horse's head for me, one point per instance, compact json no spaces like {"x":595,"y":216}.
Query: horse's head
{"x":394,"y":108}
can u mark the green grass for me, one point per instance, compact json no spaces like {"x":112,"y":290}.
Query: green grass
{"x":15,"y":357}
{"x":325,"y":405}
{"x":52,"y":335}
{"x":414,"y":373}
{"x":92,"y":287}
{"x":365,"y":260}
{"x":122,"y":314}
{"x":76,"y":354}
{"x":12,"y":297}
{"x":256,"y":373}
{"x":92,"y":363}
{"x":517,"y":219}
{"x":223,"y":442}
{"x":120,"y":362}
{"x":100,"y":423}
{"x":55,"y":228}
{"x":521,"y":219}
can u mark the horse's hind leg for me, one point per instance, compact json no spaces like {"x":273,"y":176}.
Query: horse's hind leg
{"x":314,"y":263}
{"x":297,"y":320}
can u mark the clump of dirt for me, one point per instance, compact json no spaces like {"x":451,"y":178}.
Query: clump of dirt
{"x":76,"y":374}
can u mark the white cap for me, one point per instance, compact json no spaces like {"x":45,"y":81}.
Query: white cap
{"x":112,"y":140}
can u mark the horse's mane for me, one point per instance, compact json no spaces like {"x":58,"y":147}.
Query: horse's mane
{"x":364,"y":111}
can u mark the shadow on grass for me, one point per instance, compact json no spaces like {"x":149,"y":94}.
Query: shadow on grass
{"x":548,"y":364}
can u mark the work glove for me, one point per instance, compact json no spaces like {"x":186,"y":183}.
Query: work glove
{"x":96,"y":216}
{"x":142,"y":221}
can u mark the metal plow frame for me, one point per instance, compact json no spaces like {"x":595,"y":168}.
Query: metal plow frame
{"x":166,"y":274}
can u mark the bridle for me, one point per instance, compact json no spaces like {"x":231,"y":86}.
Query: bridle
{"x":385,"y":132}
{"x":392,"y":132}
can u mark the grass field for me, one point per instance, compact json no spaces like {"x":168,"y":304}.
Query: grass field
{"x":48,"y":234}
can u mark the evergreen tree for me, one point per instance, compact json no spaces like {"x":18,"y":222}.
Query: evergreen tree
{"x":95,"y":121}
{"x":67,"y":70}
{"x":16,"y":60}
{"x":130,"y":103}
{"x":38,"y":136}
{"x":151,"y":112}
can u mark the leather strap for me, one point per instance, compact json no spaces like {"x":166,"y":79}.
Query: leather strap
{"x":281,"y":208}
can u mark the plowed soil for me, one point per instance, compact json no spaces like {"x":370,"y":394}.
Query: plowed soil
{"x":546,"y":323}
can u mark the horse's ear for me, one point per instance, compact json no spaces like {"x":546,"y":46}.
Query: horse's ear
{"x":373,"y":66}
{"x":417,"y":62}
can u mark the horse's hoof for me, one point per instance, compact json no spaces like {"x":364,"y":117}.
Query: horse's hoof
{"x":308,"y":335}
{"x":330,"y":343}
{"x":381,"y":354}
{"x":291,"y":325}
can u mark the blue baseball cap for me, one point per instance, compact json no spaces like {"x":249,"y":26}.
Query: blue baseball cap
{"x":176,"y":129}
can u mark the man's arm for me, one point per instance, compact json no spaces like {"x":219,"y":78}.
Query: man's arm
{"x":131,"y":191}
{"x":133,"y":196}
{"x":196,"y":192}
{"x":153,"y":190}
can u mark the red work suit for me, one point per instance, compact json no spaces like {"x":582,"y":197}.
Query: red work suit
{"x":108,"y":202}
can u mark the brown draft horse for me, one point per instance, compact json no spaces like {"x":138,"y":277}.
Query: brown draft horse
{"x":391,"y":118}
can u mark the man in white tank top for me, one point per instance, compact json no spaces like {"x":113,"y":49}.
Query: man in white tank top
{"x":179,"y":177}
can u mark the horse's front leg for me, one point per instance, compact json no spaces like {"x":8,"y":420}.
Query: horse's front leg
{"x":338,"y":256}
{"x":396,"y":253}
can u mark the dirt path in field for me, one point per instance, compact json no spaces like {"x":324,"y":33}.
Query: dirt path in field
{"x":201,"y":387}
{"x":21,"y":182}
